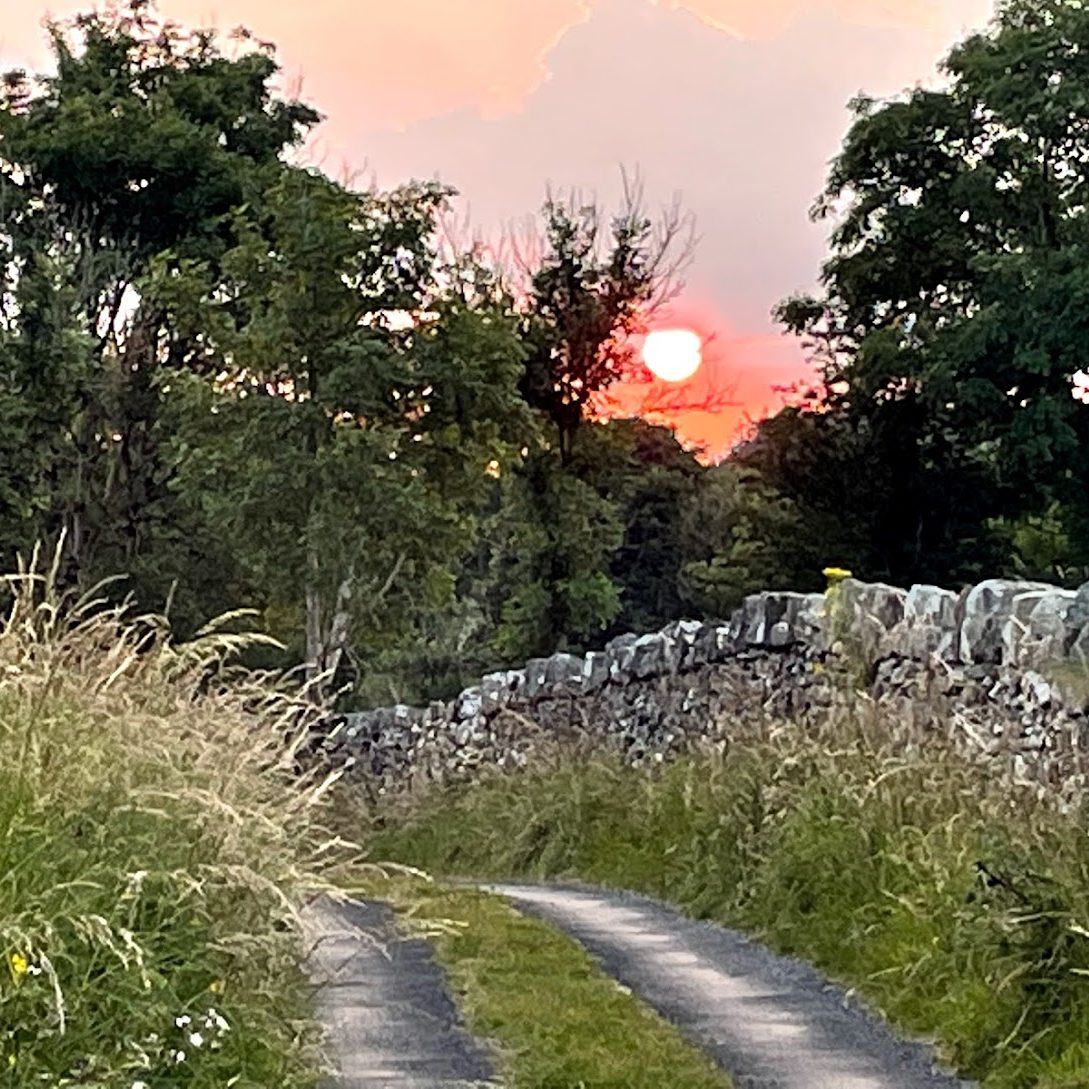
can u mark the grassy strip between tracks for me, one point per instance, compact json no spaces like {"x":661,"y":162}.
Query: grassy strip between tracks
{"x":554,"y":1020}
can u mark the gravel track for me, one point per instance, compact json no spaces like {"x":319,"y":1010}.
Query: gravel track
{"x":384,"y":1003}
{"x":770,"y":1021}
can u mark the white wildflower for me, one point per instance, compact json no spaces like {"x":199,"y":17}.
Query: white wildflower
{"x":213,"y":1019}
{"x":196,"y":1039}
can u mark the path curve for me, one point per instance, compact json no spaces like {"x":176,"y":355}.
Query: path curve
{"x":389,"y":1020}
{"x":769,"y":1021}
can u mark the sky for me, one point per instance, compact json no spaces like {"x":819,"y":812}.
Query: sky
{"x":737,"y":106}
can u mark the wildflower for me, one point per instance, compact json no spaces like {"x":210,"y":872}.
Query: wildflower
{"x":135,"y":885}
{"x":12,"y":1061}
{"x":836,"y":574}
{"x":20,"y":966}
{"x":196,"y":1040}
{"x":215,"y":1020}
{"x":139,"y":1085}
{"x":182,"y":1021}
{"x":217,"y":986}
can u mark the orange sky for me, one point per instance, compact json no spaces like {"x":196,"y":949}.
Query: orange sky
{"x":736,"y":104}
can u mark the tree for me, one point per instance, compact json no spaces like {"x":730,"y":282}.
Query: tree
{"x":955,"y":309}
{"x":348,"y":397}
{"x":650,"y":479}
{"x":590,"y":291}
{"x":555,"y":537}
{"x":142,"y":142}
{"x":739,"y":536}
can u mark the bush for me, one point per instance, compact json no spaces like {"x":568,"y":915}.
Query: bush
{"x":154,"y":842}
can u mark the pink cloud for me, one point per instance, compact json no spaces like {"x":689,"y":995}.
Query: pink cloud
{"x":388,"y":65}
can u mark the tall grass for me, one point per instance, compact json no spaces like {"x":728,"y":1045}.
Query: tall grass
{"x":953,"y":901}
{"x":154,"y":842}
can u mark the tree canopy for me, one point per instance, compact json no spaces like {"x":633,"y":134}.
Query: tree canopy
{"x":953,"y":316}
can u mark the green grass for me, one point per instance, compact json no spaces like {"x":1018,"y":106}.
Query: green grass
{"x":555,"y":1020}
{"x":153,"y":842}
{"x":954,"y":902}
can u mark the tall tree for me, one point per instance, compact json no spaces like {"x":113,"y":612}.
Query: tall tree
{"x":594,"y":286}
{"x":955,"y":310}
{"x":350,"y":393}
{"x":142,"y":141}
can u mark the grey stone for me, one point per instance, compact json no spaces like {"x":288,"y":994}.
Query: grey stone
{"x":985,"y":611}
{"x":770,"y":616}
{"x":1040,"y":639}
{"x":536,"y":678}
{"x":496,"y":690}
{"x":469,"y":704}
{"x":652,"y":655}
{"x":618,"y":653}
{"x":1016,"y":690}
{"x":929,"y":626}
{"x":871,"y":604}
{"x":564,"y":671}
{"x":595,"y":671}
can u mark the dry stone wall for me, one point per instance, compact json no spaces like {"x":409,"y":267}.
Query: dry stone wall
{"x":1001,"y":667}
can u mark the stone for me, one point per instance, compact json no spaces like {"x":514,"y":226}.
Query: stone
{"x":469,"y":703}
{"x":1039,"y":633}
{"x":654,"y":655}
{"x":811,"y":621}
{"x":987,"y":657}
{"x":770,"y":616}
{"x":984,"y":611}
{"x":929,"y":626}
{"x":564,"y":671}
{"x":595,"y":671}
{"x":496,"y":690}
{"x":860,"y":617}
{"x":618,"y":653}
{"x":1036,"y":687}
{"x":536,"y":678}
{"x":872,"y":604}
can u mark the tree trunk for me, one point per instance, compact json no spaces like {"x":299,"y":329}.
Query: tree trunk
{"x":326,"y":640}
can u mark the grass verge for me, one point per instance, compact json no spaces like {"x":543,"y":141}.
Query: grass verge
{"x":554,"y":1019}
{"x":956,"y":903}
{"x":154,"y":840}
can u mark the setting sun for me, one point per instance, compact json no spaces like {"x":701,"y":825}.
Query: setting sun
{"x":673,"y":355}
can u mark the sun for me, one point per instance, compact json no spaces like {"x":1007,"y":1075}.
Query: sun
{"x":673,"y":355}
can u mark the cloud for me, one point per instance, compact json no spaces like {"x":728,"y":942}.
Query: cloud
{"x":396,"y":62}
{"x":769,"y":17}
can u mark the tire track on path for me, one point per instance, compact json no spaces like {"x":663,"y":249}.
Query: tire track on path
{"x":383,"y":1000}
{"x":769,"y":1021}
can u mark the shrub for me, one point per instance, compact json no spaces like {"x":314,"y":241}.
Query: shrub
{"x":155,"y":840}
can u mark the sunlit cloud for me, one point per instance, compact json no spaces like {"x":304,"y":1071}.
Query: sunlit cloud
{"x":402,"y":61}
{"x":769,"y":17}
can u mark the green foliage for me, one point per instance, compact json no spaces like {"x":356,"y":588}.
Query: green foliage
{"x":154,"y":843}
{"x":739,"y":537}
{"x":955,"y":902}
{"x":143,"y":140}
{"x":554,"y":561}
{"x":953,"y":316}
{"x":595,"y":286}
{"x":348,"y":455}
